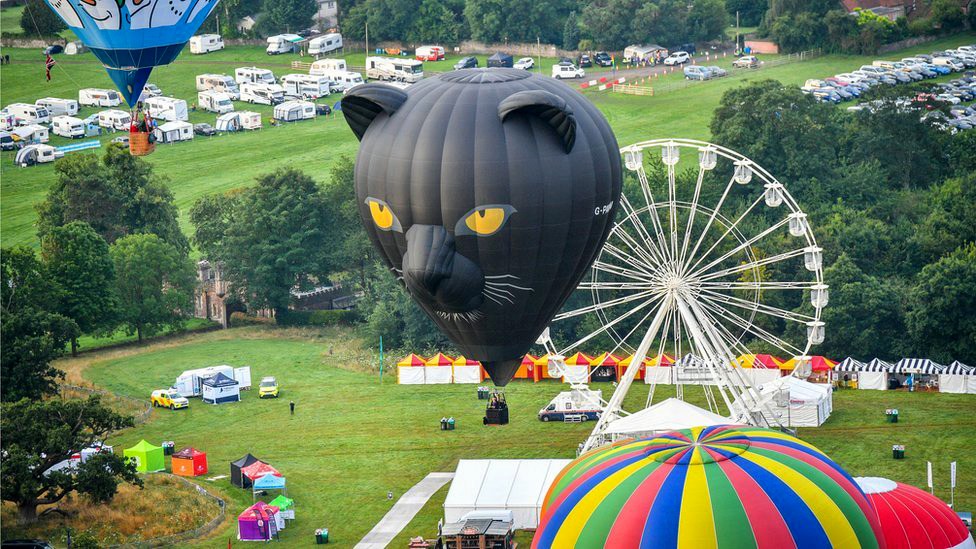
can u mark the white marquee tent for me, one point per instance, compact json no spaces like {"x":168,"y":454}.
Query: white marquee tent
{"x":958,"y":378}
{"x":798,"y":403}
{"x":667,"y":415}
{"x":516,"y":485}
{"x":873,"y":375}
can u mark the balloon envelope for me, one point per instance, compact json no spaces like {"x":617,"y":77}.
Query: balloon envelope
{"x":130,"y":37}
{"x":489,"y":193}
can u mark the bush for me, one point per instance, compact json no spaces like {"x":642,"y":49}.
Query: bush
{"x":238,"y":319}
{"x":318,"y":318}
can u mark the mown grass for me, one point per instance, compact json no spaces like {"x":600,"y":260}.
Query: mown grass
{"x":120,"y":337}
{"x":353,"y":438}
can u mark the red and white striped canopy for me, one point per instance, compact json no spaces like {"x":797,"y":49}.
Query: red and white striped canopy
{"x":912,"y":518}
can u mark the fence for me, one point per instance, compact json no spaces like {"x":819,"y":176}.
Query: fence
{"x":634,"y":89}
{"x":139,"y":418}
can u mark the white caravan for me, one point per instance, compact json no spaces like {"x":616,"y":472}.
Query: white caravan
{"x":115,"y":120}
{"x":68,"y":126}
{"x":214,"y":101}
{"x":293,"y":111}
{"x":282,"y":43}
{"x":189,"y":383}
{"x":206,"y":43}
{"x":36,"y":154}
{"x":254,"y":75}
{"x":172,"y":132}
{"x":220,"y":83}
{"x":167,"y":108}
{"x":32,"y":133}
{"x":306,"y":86}
{"x":325,"y":44}
{"x":58,"y":107}
{"x":264,"y":94}
{"x":26,"y":113}
{"x":237,"y":121}
{"x":325,"y":67}
{"x":96,"y":97}
{"x":400,"y":70}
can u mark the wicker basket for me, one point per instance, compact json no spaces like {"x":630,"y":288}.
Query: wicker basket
{"x":139,"y":144}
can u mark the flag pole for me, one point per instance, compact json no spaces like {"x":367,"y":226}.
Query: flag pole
{"x":381,"y":359}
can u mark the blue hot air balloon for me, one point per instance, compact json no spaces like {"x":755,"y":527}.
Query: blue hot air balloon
{"x":130,"y":37}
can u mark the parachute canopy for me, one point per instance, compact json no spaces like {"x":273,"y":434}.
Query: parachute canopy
{"x":130,"y":37}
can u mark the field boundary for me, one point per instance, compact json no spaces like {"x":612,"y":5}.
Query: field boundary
{"x":142,"y":417}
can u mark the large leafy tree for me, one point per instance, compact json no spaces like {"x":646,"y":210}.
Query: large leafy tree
{"x":39,"y":20}
{"x":39,"y":434}
{"x":153,"y":283}
{"x":77,"y":260}
{"x":952,"y":221}
{"x":942,"y":321}
{"x":435,"y":22}
{"x":516,"y":20}
{"x":750,"y":11}
{"x":287,"y":15}
{"x":707,"y":19}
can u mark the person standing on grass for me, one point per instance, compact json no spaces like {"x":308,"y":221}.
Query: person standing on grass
{"x":292,"y":406}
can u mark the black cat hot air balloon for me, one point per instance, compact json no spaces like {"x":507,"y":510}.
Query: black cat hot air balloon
{"x":489,"y":192}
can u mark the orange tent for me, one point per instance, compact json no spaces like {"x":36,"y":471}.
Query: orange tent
{"x":759,"y":361}
{"x":412,"y":360}
{"x":189,"y":462}
{"x":526,"y":369}
{"x":607,"y":360}
{"x":818,"y":363}
{"x":440,"y":359}
{"x":579,"y":359}
{"x":540,"y":368}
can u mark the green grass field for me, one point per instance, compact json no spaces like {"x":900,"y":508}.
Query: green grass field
{"x":353,"y":438}
{"x":207,"y":165}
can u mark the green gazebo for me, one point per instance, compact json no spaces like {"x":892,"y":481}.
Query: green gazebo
{"x":148,"y":458}
{"x":285,"y":505}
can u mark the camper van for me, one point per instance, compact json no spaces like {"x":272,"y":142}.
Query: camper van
{"x":401,"y":70}
{"x":264,"y":94}
{"x":115,"y":120}
{"x":190,"y":382}
{"x":58,"y":107}
{"x":254,"y":75}
{"x":26,"y":113}
{"x":95,"y":97}
{"x":306,"y":86}
{"x":335,"y":69}
{"x":430,"y":53}
{"x":36,"y":154}
{"x":68,"y":126}
{"x":283,"y":43}
{"x":326,"y":67}
{"x":325,"y":44}
{"x":172,"y":132}
{"x":220,"y":83}
{"x":214,"y":101}
{"x":293,"y":111}
{"x":206,"y":43}
{"x":167,"y":108}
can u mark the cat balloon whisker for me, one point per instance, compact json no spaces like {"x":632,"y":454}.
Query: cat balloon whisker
{"x":499,"y":291}
{"x":500,"y":284}
{"x":492,"y":277}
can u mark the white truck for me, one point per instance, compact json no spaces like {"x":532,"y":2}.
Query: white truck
{"x":306,"y":86}
{"x":254,"y":75}
{"x":283,"y":43}
{"x":264,"y":94}
{"x":68,"y":126}
{"x":25,"y":113}
{"x":115,"y":120}
{"x":577,"y":405}
{"x":325,"y":44}
{"x":398,"y":70}
{"x":97,"y":97}
{"x":167,"y":108}
{"x":57,"y":107}
{"x":206,"y":43}
{"x":219,"y":83}
{"x":215,"y":101}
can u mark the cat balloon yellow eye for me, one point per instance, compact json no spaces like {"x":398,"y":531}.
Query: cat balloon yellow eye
{"x":383,"y":216}
{"x":484,"y":220}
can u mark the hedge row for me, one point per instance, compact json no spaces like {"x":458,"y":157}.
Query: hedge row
{"x":318,"y":318}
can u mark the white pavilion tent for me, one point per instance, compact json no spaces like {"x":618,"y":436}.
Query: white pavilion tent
{"x":958,"y":378}
{"x":668,"y":415}
{"x":798,"y":403}
{"x":873,"y":375}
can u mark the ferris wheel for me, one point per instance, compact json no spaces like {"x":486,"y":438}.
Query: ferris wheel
{"x":710,"y":259}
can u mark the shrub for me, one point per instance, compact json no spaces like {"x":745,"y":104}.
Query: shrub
{"x":239,"y":318}
{"x":318,"y":318}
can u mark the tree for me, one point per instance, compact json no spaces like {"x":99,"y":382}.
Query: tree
{"x":516,"y":20}
{"x":211,"y":215}
{"x":435,"y":22}
{"x":951,"y":224}
{"x":39,"y":20}
{"x":750,"y":11}
{"x":288,"y":15}
{"x":353,"y":251}
{"x":77,"y":260}
{"x":707,"y":20}
{"x":153,"y":283}
{"x":795,"y":33}
{"x":942,"y":320}
{"x":117,"y":196}
{"x":571,"y":32}
{"x":947,"y":15}
{"x":38,"y":434}
{"x":396,"y":318}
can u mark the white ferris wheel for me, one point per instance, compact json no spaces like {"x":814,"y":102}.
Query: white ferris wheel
{"x":710,"y":259}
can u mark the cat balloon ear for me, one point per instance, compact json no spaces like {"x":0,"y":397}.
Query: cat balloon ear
{"x":365,"y":102}
{"x":546,"y":106}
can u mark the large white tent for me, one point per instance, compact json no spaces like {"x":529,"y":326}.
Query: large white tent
{"x":667,"y":415}
{"x":958,"y":378}
{"x":798,"y":403}
{"x":873,"y":375}
{"x":516,"y":485}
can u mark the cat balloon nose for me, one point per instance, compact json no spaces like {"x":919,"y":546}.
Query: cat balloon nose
{"x":432,"y":269}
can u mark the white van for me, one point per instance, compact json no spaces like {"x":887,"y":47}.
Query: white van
{"x":254,"y":75}
{"x":948,"y":62}
{"x":400,"y":70}
{"x":282,"y":43}
{"x":68,"y":126}
{"x":220,"y":83}
{"x":214,"y":101}
{"x":167,"y":108}
{"x":325,"y":67}
{"x":58,"y":107}
{"x":265,"y":94}
{"x":429,"y":53}
{"x":325,"y":44}
{"x":567,"y":70}
{"x":115,"y":120}
{"x":306,"y":86}
{"x":206,"y":43}
{"x":29,"y":114}
{"x":96,"y":97}
{"x":293,"y":111}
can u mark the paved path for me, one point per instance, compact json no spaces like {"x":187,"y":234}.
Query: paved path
{"x":402,"y":513}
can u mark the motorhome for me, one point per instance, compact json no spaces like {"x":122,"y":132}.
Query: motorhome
{"x":326,"y":67}
{"x":214,"y":101}
{"x":400,"y":70}
{"x":576,"y":405}
{"x":32,"y":133}
{"x":190,"y":382}
{"x":264,"y":94}
{"x":283,"y":43}
{"x":115,"y":120}
{"x":68,"y":126}
{"x":36,"y":154}
{"x":220,"y":83}
{"x":96,"y":97}
{"x":430,"y":53}
{"x":293,"y":111}
{"x":172,"y":132}
{"x":58,"y":107}
{"x":337,"y":72}
{"x":7,"y":120}
{"x":306,"y":86}
{"x":325,"y":44}
{"x":167,"y":108}
{"x":254,"y":75}
{"x":26,"y":113}
{"x":206,"y":43}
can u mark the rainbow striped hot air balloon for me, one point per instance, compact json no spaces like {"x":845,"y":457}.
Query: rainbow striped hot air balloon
{"x":130,"y":37}
{"x":721,"y":486}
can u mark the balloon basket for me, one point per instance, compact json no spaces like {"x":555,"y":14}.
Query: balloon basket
{"x":139,"y":144}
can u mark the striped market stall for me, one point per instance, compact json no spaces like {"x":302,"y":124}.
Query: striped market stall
{"x":958,"y":378}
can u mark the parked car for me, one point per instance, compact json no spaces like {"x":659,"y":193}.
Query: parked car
{"x":466,"y":63}
{"x":168,"y":398}
{"x":563,"y":71}
{"x":584,"y":61}
{"x":151,"y":90}
{"x":677,"y":58}
{"x":322,"y":110}
{"x":268,"y":387}
{"x":54,"y":49}
{"x":697,"y":72}
{"x":603,"y":59}
{"x":746,"y":62}
{"x":204,"y":129}
{"x":123,"y":139}
{"x":524,"y":63}
{"x":717,"y":72}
